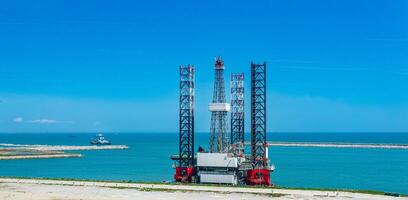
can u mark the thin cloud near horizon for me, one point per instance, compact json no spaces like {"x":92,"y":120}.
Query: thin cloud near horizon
{"x":350,"y":68}
{"x":41,"y":121}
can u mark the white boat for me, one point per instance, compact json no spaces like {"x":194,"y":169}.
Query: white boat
{"x":100,"y":140}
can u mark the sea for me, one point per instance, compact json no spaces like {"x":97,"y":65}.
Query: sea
{"x":148,"y":159}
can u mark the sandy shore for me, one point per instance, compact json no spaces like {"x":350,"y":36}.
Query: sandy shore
{"x":63,"y":147}
{"x":24,"y":151}
{"x":40,"y":156}
{"x":34,"y":189}
{"x":20,"y":153}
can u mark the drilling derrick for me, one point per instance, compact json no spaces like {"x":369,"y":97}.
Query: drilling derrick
{"x":185,"y":169}
{"x":260,"y":174}
{"x":219,"y":110}
{"x":237,"y":113}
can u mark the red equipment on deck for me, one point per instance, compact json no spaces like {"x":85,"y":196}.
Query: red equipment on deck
{"x":184,"y":174}
{"x":258,"y":177}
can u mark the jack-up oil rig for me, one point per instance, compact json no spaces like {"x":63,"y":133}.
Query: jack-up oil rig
{"x":226,"y":162}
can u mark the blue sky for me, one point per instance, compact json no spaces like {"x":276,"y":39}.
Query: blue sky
{"x":113,"y":66}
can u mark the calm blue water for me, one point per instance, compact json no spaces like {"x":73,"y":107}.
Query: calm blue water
{"x":147,"y":159}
